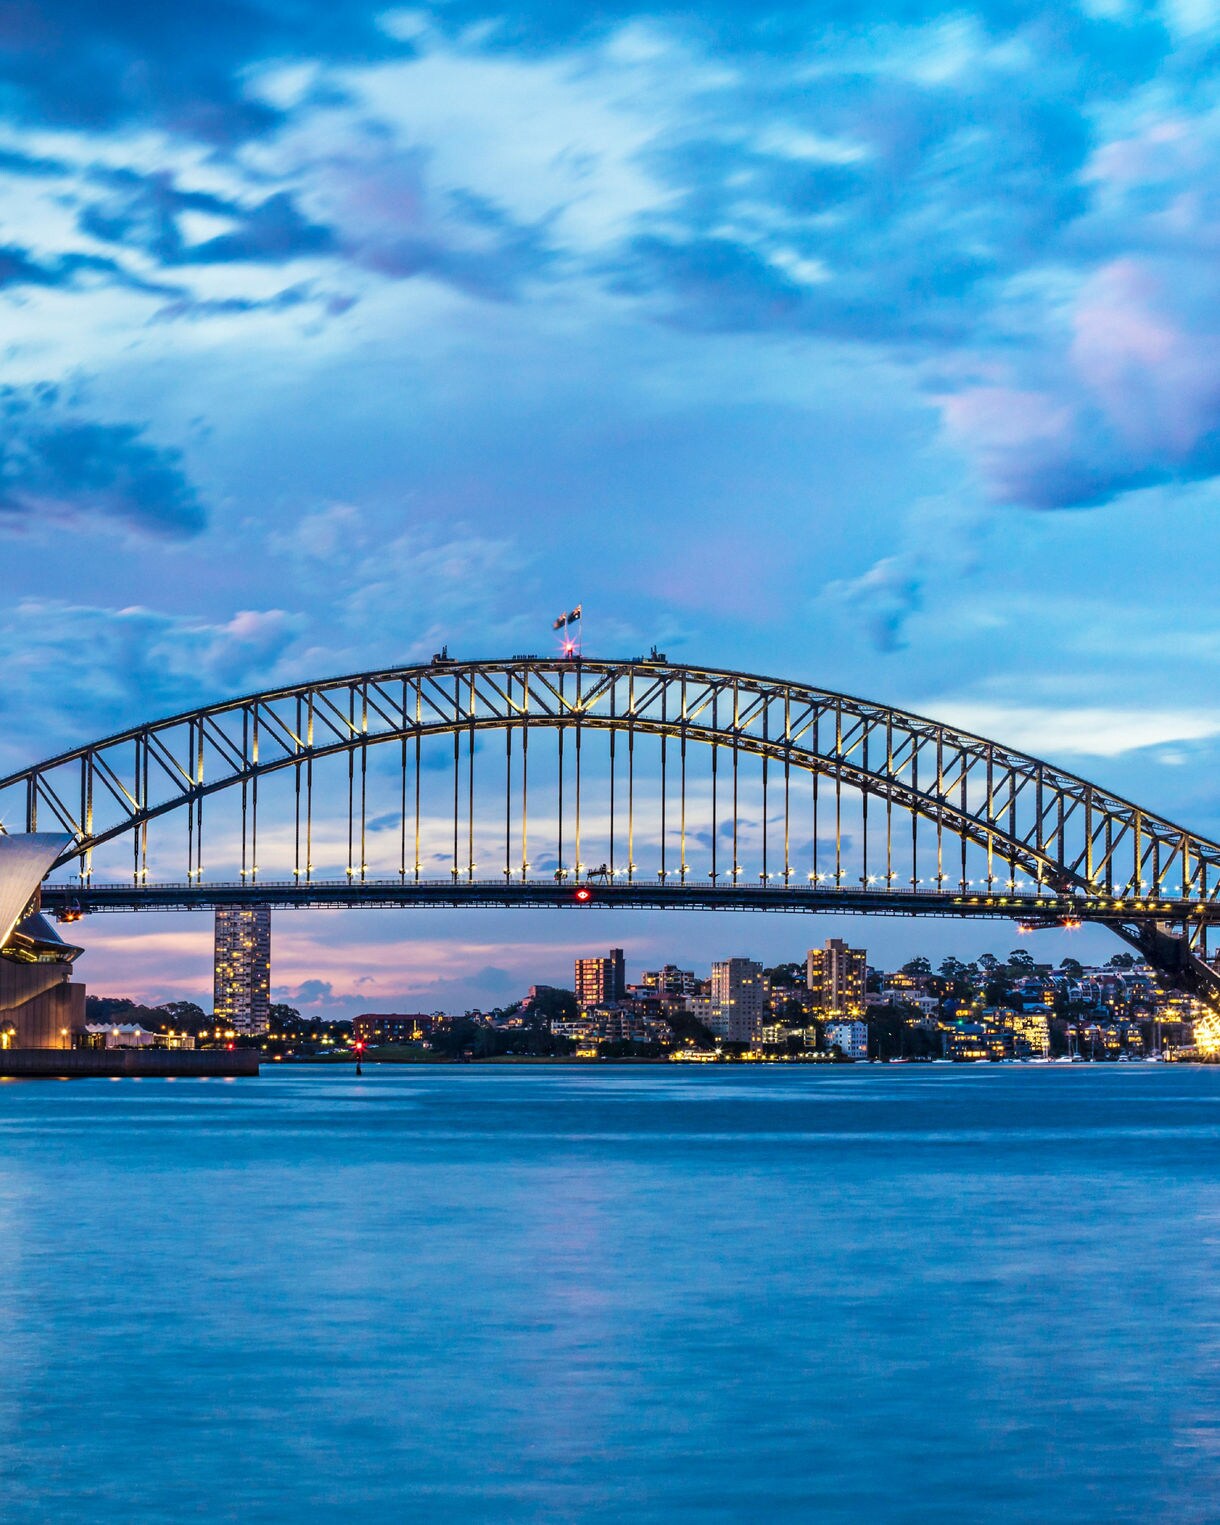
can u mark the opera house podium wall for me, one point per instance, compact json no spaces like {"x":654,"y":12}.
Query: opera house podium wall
{"x":40,"y":1005}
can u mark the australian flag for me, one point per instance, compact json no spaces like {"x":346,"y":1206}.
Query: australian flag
{"x":567,"y":619}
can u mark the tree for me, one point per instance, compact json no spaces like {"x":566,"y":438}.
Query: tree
{"x":551,"y":1004}
{"x":1072,"y":967}
{"x":281,"y":1016}
{"x":109,"y":1008}
{"x":684,"y":1026}
{"x":989,"y":962}
{"x":1020,"y":961}
{"x":1122,"y":961}
{"x":787,"y":975}
{"x":955,"y":977}
{"x":917,"y":966}
{"x":184,"y":1013}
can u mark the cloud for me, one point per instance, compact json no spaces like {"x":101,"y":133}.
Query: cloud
{"x":201,"y":308}
{"x":419,"y":590}
{"x":1129,"y":398}
{"x":18,"y":268}
{"x":712,"y":283}
{"x":56,"y":464}
{"x":66,"y":271}
{"x":394,"y":217}
{"x":73,"y":673}
{"x":182,"y":68}
{"x":150,"y":212}
{"x":1080,"y":730}
{"x":882,"y":599}
{"x":922,"y":194}
{"x":311,"y":993}
{"x":109,"y":668}
{"x":942,"y":540}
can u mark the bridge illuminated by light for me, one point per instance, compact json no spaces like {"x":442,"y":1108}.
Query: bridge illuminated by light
{"x":544,"y":781}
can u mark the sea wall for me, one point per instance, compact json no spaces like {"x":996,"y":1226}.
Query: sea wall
{"x":63,"y":1063}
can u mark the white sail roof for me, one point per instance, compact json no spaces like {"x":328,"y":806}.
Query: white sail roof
{"x":24,"y":862}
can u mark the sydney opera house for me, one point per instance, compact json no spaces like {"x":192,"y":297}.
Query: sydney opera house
{"x":40,"y":1004}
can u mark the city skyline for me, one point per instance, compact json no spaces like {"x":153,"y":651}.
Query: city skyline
{"x":831,"y":1005}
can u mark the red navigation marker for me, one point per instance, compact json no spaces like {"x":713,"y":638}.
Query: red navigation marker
{"x":583,"y":894}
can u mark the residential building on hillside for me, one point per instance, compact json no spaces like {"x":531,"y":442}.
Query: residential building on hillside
{"x":836,"y":975}
{"x":601,"y":981}
{"x":670,"y":980}
{"x":738,"y":1003}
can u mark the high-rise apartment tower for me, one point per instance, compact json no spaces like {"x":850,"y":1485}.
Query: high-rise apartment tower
{"x":601,"y":981}
{"x":837,"y":975}
{"x":739,"y":999}
{"x":241,"y":982}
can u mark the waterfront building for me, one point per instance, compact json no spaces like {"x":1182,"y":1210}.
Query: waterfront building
{"x":241,"y":987}
{"x":974,"y":1041}
{"x":601,"y":981}
{"x":1031,"y":1031}
{"x":120,"y":1035}
{"x":849,"y":1037}
{"x":392,"y":1027}
{"x":738,"y":1003}
{"x":836,"y":975}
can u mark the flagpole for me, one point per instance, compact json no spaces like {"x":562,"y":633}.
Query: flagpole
{"x":573,"y":646}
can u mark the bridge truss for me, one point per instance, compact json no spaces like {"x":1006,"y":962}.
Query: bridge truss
{"x":642,"y":781}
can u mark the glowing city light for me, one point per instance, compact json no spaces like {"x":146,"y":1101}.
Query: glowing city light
{"x":1207,"y":1033}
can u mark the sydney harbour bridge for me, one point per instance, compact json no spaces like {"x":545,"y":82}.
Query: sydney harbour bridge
{"x":569,"y":781}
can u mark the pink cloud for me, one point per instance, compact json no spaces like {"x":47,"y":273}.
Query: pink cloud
{"x":1156,"y":379}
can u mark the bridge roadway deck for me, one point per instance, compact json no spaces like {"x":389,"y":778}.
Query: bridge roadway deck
{"x":1042,"y":910}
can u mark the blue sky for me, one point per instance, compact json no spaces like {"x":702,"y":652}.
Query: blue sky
{"x":873,"y":345}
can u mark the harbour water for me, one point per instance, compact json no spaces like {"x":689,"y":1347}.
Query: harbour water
{"x":858,"y":1294}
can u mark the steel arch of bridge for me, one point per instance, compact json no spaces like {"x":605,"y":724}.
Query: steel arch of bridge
{"x":1083,"y":850}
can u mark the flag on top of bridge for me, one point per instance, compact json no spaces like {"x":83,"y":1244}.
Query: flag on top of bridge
{"x":567,"y":619}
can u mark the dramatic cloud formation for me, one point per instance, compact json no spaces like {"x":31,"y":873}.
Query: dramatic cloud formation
{"x":1016,"y":209}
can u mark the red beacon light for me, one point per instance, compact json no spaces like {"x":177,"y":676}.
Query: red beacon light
{"x":583,"y":894}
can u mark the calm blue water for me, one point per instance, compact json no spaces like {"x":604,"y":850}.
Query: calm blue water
{"x":854,"y":1295}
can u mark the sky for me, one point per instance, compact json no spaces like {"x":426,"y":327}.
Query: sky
{"x":869,"y":345}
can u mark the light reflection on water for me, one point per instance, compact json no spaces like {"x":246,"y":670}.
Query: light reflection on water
{"x":905,"y":1295}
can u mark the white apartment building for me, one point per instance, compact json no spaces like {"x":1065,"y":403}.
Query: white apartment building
{"x":850,"y":1038}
